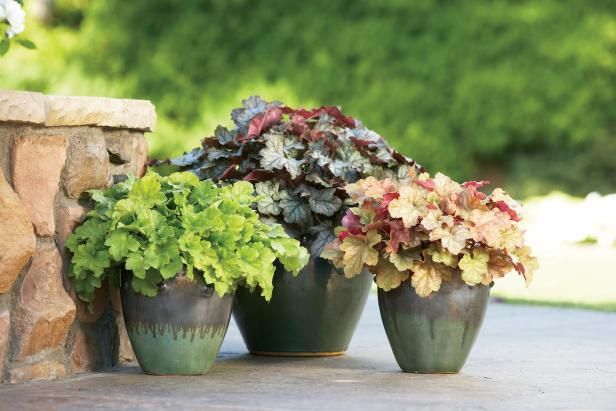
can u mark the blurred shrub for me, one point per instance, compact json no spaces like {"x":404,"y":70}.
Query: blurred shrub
{"x":67,"y":12}
{"x":525,"y":90}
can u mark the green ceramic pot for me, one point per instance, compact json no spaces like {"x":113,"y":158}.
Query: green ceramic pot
{"x":313,"y":314}
{"x":178,"y":332}
{"x":433,"y":334}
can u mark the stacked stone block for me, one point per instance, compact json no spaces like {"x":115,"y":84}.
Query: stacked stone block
{"x":52,"y":150}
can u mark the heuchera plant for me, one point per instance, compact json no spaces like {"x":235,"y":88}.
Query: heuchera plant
{"x":159,"y":227}
{"x":430,"y":229}
{"x":300,"y":160}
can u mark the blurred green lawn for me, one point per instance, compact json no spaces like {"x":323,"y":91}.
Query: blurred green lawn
{"x":571,"y":275}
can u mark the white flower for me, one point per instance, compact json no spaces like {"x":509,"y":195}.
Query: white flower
{"x":12,"y":12}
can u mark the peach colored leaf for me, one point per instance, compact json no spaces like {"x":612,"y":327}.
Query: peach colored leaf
{"x":467,"y":201}
{"x":406,"y":207}
{"x":445,"y":186}
{"x":529,"y":262}
{"x":453,"y":239}
{"x":487,"y":226}
{"x":359,"y":251}
{"x":370,"y":187}
{"x":498,"y":194}
{"x":428,"y":276}
{"x":512,"y":238}
{"x":432,"y":219}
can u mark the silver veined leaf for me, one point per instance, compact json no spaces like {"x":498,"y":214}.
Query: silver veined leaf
{"x":251,"y":106}
{"x":189,"y":158}
{"x":273,"y":156}
{"x":325,"y":202}
{"x":295,"y":211}
{"x":316,"y":178}
{"x":270,"y":194}
{"x":321,"y":153}
{"x":322,"y":234}
{"x":223,"y":135}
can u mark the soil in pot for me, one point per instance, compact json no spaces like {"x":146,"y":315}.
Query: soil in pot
{"x":178,"y":332}
{"x":313,"y":314}
{"x":434,"y":334}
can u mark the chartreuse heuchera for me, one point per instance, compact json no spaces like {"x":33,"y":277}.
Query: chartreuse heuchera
{"x":300,"y":161}
{"x":429,"y":229}
{"x":159,"y":227}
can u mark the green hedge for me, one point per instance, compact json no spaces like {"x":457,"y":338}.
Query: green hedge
{"x":521,"y":89}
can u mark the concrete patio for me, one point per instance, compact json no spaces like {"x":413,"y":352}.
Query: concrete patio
{"x":524,"y":358}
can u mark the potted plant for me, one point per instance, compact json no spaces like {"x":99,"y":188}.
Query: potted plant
{"x":178,"y":248}
{"x":435,"y":247}
{"x":299,"y":160}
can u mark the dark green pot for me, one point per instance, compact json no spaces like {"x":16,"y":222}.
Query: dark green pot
{"x":433,"y":334}
{"x":313,"y":314}
{"x":178,"y":332}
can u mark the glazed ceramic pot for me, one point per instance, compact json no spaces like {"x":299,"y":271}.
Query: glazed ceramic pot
{"x":313,"y":314}
{"x":434,"y":334}
{"x":178,"y":332}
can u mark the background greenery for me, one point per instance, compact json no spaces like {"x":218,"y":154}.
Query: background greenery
{"x":522,"y":92}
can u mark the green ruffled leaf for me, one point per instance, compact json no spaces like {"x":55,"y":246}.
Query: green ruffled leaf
{"x":148,"y":285}
{"x":135,"y":262}
{"x":158,"y":227}
{"x":121,"y":243}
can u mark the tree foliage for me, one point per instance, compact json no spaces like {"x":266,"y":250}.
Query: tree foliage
{"x":516,"y":88}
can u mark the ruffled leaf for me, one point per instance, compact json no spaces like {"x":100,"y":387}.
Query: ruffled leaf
{"x":474,"y":267}
{"x":359,"y":251}
{"x":295,"y":211}
{"x":428,"y":276}
{"x":273,"y":156}
{"x":325,"y":202}
{"x":404,"y":259}
{"x":262,"y":122}
{"x":269,"y":192}
{"x":388,"y":276}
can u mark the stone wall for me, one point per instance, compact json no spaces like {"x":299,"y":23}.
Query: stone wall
{"x":53,"y":149}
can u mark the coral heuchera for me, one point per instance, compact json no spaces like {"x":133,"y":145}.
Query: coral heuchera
{"x":429,"y":229}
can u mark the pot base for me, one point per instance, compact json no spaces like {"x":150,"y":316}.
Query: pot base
{"x":435,"y":334}
{"x":297,"y":354}
{"x":311,"y":315}
{"x":180,"y":330}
